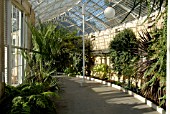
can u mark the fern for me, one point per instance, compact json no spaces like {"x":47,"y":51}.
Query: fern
{"x":20,"y":106}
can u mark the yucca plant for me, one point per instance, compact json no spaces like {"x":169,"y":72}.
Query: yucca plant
{"x":55,"y":49}
{"x":41,"y":63}
{"x":155,"y":70}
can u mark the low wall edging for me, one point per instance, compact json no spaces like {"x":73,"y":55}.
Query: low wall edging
{"x":139,"y":97}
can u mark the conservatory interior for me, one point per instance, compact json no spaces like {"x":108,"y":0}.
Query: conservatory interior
{"x":125,"y":45}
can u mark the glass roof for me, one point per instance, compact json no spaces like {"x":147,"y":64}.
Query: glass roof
{"x":69,"y":13}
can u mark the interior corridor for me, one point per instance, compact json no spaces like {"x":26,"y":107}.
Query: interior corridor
{"x":95,"y":98}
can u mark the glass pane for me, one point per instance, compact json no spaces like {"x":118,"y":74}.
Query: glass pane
{"x":17,"y":42}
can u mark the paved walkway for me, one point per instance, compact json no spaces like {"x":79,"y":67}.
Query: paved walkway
{"x":95,"y":98}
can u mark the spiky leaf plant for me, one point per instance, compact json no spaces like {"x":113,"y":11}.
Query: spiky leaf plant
{"x":58,"y":49}
{"x":155,"y":72}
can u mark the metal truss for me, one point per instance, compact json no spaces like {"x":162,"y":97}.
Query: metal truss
{"x":70,"y":11}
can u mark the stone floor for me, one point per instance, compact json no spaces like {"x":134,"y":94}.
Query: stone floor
{"x":95,"y":98}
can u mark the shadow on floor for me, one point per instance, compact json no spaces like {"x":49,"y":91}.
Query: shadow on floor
{"x":95,"y":98}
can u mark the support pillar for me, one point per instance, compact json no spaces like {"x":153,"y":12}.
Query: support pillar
{"x":8,"y":25}
{"x":2,"y":61}
{"x":105,"y":57}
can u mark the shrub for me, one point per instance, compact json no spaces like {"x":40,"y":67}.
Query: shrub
{"x":124,"y":50}
{"x":30,"y":99}
{"x":100,"y":71}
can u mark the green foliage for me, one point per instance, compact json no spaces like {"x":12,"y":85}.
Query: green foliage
{"x":152,"y":47}
{"x":155,"y":74}
{"x":71,"y":71}
{"x":124,"y":52}
{"x":54,"y":49}
{"x":34,"y":104}
{"x":32,"y":89}
{"x":11,"y":91}
{"x":46,"y":40}
{"x":26,"y":98}
{"x":51,"y":94}
{"x":67,"y":71}
{"x":41,"y":104}
{"x":124,"y":41}
{"x":100,"y":71}
{"x":148,"y":63}
{"x":20,"y":106}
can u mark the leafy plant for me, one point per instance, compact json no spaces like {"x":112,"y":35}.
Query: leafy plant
{"x":124,"y":53}
{"x":20,"y":106}
{"x":29,"y":99}
{"x":152,"y":66}
{"x":155,"y":74}
{"x":101,"y":71}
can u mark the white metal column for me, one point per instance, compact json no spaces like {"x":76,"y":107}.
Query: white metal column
{"x":23,"y":44}
{"x":20,"y":45}
{"x":83,"y":15}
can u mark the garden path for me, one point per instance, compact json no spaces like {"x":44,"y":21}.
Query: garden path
{"x":95,"y":98}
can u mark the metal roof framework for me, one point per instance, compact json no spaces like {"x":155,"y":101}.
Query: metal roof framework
{"x":69,"y":13}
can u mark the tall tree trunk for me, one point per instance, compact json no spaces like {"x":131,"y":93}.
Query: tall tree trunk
{"x":2,"y":81}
